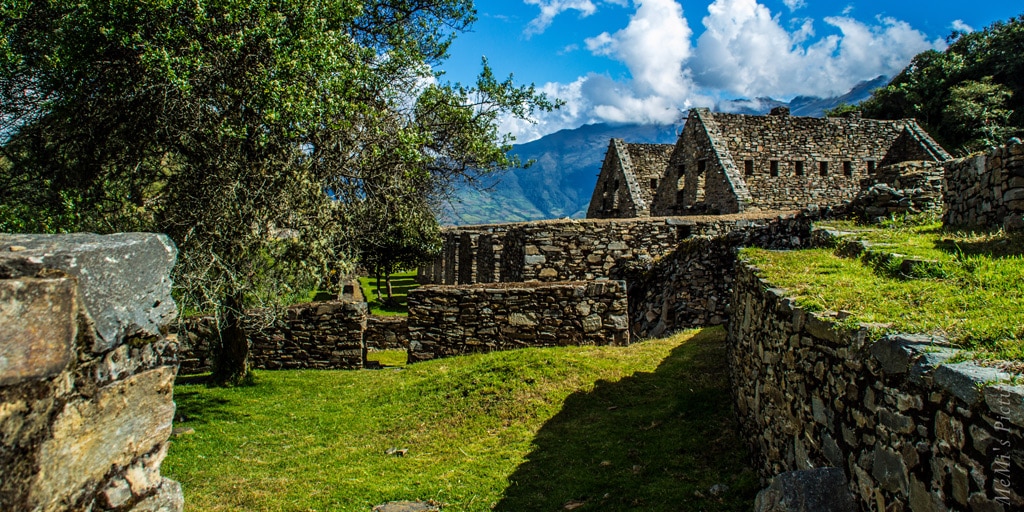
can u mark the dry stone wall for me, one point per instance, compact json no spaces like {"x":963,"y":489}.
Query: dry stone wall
{"x":86,"y":372}
{"x":986,"y":191}
{"x":692,"y":286}
{"x":318,"y":335}
{"x":911,"y":430}
{"x":453,"y":320}
{"x":386,"y":333}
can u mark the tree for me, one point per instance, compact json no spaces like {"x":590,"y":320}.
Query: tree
{"x":248,"y":131}
{"x":968,"y":96}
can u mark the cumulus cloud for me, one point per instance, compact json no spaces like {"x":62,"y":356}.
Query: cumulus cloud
{"x":745,"y":51}
{"x":551,"y":8}
{"x":960,"y":26}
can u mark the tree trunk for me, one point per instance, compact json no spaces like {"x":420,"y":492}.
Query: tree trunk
{"x":232,"y":362}
{"x":387,"y":280}
{"x":378,"y":286}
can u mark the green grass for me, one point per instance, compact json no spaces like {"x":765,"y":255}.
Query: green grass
{"x":973,"y":293}
{"x":401,"y":283}
{"x":394,"y":357}
{"x":647,"y":427}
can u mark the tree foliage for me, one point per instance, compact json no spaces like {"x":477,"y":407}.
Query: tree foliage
{"x":254,"y":133}
{"x":970,"y":96}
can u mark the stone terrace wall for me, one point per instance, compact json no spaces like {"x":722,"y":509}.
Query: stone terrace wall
{"x":911,"y":432}
{"x":447,"y":320}
{"x":318,"y":335}
{"x":86,"y":372}
{"x":691,"y":286}
{"x":986,"y":191}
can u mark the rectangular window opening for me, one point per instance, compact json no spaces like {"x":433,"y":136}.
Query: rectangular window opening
{"x":774,"y":168}
{"x":654,"y":183}
{"x":871,"y":166}
{"x":798,"y":168}
{"x":823,"y":168}
{"x":848,"y":168}
{"x":748,"y":167}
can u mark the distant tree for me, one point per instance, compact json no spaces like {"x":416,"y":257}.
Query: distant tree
{"x":969,"y":96}
{"x":247,"y":131}
{"x":842,"y":110}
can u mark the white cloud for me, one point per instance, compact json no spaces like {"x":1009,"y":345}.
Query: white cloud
{"x":960,"y":26}
{"x":746,"y":51}
{"x":551,"y":8}
{"x":847,"y":10}
{"x":794,"y":4}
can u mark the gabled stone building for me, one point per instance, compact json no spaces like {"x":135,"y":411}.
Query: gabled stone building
{"x":629,"y":177}
{"x":733,"y":163}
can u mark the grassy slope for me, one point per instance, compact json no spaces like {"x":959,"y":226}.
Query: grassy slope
{"x":644,"y":427}
{"x":973,"y":294}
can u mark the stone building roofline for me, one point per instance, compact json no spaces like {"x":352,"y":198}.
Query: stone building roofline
{"x":931,"y":147}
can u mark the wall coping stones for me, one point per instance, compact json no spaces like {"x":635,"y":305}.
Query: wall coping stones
{"x":966,"y":380}
{"x":124,"y":278}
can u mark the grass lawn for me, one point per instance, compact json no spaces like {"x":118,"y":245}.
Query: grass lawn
{"x":647,"y":427}
{"x":401,"y":283}
{"x":972,"y":292}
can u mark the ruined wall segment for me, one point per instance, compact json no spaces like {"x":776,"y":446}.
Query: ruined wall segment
{"x":454,"y":320}
{"x":910,"y":430}
{"x":986,"y":191}
{"x":318,"y":335}
{"x":629,"y":176}
{"x":86,"y":372}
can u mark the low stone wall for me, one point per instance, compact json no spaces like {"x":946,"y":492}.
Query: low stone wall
{"x":911,"y":431}
{"x":691,"y":286}
{"x":386,"y":333}
{"x":986,"y":191}
{"x":449,"y":320}
{"x":318,"y":335}
{"x":86,"y":372}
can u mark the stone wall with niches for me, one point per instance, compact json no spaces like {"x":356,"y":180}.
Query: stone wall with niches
{"x":911,"y":429}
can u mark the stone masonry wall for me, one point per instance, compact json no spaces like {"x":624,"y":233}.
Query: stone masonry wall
{"x":86,"y":372}
{"x":692,"y":286}
{"x":567,"y":250}
{"x":318,"y":335}
{"x":386,"y":333}
{"x":911,"y":431}
{"x":986,"y":191}
{"x":449,"y":320}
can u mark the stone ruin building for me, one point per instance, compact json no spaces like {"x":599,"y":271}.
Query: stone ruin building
{"x":734,"y":163}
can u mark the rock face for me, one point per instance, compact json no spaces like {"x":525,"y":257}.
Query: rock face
{"x":86,"y":372}
{"x":812,"y":490}
{"x":912,"y":431}
{"x":986,"y":191}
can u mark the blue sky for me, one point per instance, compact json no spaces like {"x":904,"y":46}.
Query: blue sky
{"x":649,"y":60}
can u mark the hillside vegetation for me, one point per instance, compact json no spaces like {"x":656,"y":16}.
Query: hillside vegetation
{"x":968,"y":97}
{"x":646,"y":427}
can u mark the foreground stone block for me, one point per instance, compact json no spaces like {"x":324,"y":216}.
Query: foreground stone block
{"x":38,"y":325}
{"x":812,"y":490}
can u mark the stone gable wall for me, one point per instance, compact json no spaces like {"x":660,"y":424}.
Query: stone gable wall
{"x":453,"y":320}
{"x":986,"y":191}
{"x":86,"y":372}
{"x":649,"y":163}
{"x":735,"y":163}
{"x":911,"y":431}
{"x":616,"y":193}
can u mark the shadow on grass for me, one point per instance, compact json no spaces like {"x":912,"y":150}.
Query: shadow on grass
{"x":652,"y":441}
{"x":996,"y":246}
